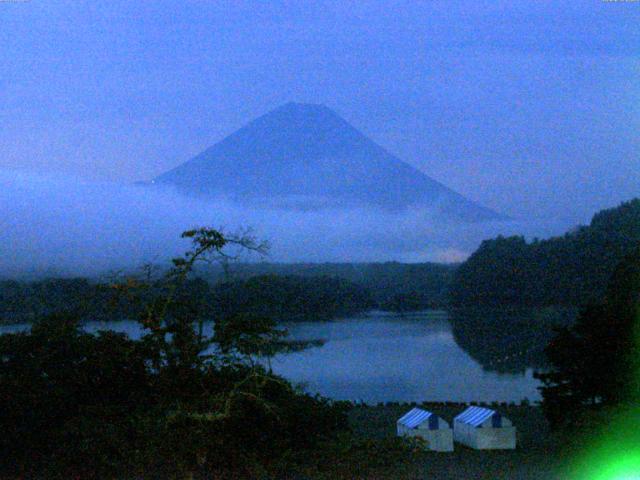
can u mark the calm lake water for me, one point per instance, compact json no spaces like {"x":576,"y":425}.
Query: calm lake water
{"x":382,"y":357}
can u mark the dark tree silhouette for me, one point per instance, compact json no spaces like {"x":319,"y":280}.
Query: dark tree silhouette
{"x":597,"y":361}
{"x":175,"y":404}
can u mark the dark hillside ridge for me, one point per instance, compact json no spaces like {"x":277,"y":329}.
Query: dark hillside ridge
{"x":291,"y":298}
{"x":572,"y":270}
{"x":290,"y":290}
{"x":400,"y":287}
{"x":306,"y":156}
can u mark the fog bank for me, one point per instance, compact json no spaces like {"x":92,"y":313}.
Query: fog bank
{"x":65,"y":226}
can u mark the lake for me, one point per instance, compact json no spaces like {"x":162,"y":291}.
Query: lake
{"x":382,"y":357}
{"x":389,"y":358}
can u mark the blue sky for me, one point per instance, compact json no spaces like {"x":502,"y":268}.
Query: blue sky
{"x":529,"y":107}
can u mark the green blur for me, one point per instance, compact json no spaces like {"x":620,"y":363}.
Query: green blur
{"x":614,"y":452}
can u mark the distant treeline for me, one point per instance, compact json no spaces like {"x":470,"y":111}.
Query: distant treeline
{"x":393,"y":286}
{"x":29,"y":301}
{"x":291,"y":298}
{"x":282,"y":292}
{"x":571,"y":270}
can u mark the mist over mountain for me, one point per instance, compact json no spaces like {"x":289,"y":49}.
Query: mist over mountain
{"x":62,"y":226}
{"x":305,"y":156}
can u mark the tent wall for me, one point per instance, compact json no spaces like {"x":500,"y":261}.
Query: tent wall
{"x":464,"y":434}
{"x":437,"y":440}
{"x":485,"y":438}
{"x":435,"y":431}
{"x":496,"y":438}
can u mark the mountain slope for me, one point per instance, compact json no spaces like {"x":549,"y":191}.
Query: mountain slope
{"x":306,"y":156}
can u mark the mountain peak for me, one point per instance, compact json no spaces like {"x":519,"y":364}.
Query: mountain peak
{"x":300,"y":116}
{"x":309,"y":153}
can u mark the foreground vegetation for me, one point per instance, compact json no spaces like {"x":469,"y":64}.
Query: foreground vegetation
{"x":177,"y":403}
{"x":596,"y":362}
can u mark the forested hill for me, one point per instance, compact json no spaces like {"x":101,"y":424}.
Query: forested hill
{"x":290,"y":298}
{"x":570,"y":270}
{"x":282,"y":291}
{"x":280,"y":298}
{"x":393,"y":286}
{"x":390,"y":286}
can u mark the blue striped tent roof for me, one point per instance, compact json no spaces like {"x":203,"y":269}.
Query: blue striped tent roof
{"x":475,"y":416}
{"x":414,"y":417}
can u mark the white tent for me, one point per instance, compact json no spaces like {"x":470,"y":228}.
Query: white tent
{"x":436,"y":433}
{"x":483,"y":429}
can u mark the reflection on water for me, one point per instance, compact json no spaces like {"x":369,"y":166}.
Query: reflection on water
{"x":468,"y":356}
{"x":508,"y":340}
{"x":388,"y":358}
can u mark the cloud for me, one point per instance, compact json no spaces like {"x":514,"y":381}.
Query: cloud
{"x":64,"y":226}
